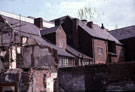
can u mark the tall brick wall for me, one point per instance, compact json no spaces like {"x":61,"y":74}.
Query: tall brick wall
{"x":100,"y":58}
{"x":97,"y":77}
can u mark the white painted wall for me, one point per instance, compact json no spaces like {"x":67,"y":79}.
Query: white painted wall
{"x":30,"y":20}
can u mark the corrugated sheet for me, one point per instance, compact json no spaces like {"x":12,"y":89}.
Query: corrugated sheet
{"x":124,"y":33}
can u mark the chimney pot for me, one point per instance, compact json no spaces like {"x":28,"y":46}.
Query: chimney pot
{"x":90,"y":24}
{"x":102,"y":26}
{"x":38,"y":22}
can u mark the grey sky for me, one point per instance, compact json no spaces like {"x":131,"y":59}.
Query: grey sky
{"x":113,"y":12}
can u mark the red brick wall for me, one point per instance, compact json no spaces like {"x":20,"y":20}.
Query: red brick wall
{"x":120,"y":53}
{"x":61,"y":37}
{"x":100,"y":58}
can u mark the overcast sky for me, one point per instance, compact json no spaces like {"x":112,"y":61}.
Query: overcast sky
{"x":112,"y":12}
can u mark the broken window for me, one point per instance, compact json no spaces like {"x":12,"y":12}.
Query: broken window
{"x":19,"y":54}
{"x":18,"y":49}
{"x":3,"y":52}
{"x":13,"y":58}
{"x":24,"y":40}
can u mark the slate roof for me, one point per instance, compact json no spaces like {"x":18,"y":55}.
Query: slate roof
{"x":49,"y":30}
{"x":124,"y":33}
{"x":61,"y":52}
{"x":25,"y":27}
{"x":30,"y":30}
{"x":96,"y":31}
{"x":76,"y":52}
{"x":61,"y":18}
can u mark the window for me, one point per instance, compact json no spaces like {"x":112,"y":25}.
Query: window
{"x":18,"y":49}
{"x":85,"y":62}
{"x":100,"y":50}
{"x":61,"y":44}
{"x":63,"y":62}
{"x":24,"y":40}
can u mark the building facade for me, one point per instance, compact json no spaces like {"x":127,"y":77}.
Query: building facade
{"x":92,"y":40}
{"x":126,"y":36}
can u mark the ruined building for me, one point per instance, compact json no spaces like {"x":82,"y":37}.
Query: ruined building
{"x":27,"y":62}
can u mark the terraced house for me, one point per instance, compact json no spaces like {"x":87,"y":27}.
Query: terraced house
{"x":91,"y":40}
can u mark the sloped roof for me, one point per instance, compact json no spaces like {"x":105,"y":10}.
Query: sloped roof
{"x":49,"y":30}
{"x":61,"y":18}
{"x":25,"y":27}
{"x":124,"y":33}
{"x":97,"y":32}
{"x":30,"y":30}
{"x":61,"y":52}
{"x":76,"y":52}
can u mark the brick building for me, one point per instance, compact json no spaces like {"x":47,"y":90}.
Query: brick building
{"x":21,"y":47}
{"x":126,"y":36}
{"x":57,"y":36}
{"x":91,"y":40}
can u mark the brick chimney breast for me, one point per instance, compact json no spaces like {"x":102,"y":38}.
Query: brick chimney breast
{"x":75,"y":22}
{"x":57,"y":22}
{"x":38,"y":22}
{"x":90,"y":24}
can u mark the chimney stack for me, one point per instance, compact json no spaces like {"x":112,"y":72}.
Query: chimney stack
{"x":57,"y":22}
{"x":102,"y":26}
{"x":90,"y":24}
{"x":38,"y":22}
{"x":75,"y":32}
